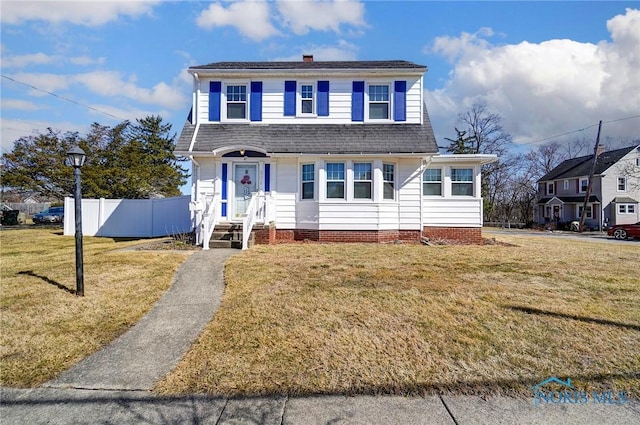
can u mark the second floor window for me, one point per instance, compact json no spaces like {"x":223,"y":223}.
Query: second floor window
{"x":462,"y":181}
{"x":622,"y":184}
{"x":550,"y":187}
{"x":237,"y":102}
{"x":378,"y":102}
{"x":306,"y":96}
{"x":335,"y":180}
{"x":584,"y":184}
{"x":362,"y":180}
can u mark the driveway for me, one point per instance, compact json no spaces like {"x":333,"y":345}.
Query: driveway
{"x":598,"y":237}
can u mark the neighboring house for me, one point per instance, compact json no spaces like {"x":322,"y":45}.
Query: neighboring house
{"x":324,"y":151}
{"x":614,"y":196}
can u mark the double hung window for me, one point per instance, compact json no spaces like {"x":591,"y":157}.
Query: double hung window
{"x":362,"y":180}
{"x":308,"y":181}
{"x":622,"y":184}
{"x":335,"y":180}
{"x":237,"y":102}
{"x":378,"y":102}
{"x":306,"y":99}
{"x":584,"y":184}
{"x":389,"y":178}
{"x":626,"y":208}
{"x":462,"y":181}
{"x":432,"y":182}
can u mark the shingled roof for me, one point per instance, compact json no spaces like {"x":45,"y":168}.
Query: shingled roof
{"x":312,"y":138}
{"x":581,"y":166}
{"x":301,"y":65}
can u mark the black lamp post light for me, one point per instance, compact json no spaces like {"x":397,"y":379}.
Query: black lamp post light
{"x":76,"y":158}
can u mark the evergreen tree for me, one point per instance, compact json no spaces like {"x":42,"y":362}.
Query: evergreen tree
{"x":125,"y":161}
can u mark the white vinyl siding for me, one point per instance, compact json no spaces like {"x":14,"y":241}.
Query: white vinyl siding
{"x":339,"y":99}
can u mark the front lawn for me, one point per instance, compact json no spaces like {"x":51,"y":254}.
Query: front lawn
{"x":44,"y":327}
{"x":412,"y":319}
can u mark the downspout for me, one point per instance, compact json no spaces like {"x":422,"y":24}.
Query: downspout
{"x":425,"y":163}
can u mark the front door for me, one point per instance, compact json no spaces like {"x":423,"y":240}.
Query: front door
{"x":245,"y":179}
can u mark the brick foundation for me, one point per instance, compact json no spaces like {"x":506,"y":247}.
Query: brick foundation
{"x":467,"y":235}
{"x":270,"y":235}
{"x":266,"y":235}
{"x":367,"y":236}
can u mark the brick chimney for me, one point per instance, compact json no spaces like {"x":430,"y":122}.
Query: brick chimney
{"x":307,"y":58}
{"x":599,"y":150}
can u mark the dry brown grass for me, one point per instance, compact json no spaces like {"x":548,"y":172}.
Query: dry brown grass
{"x":407,"y":319}
{"x":45,"y":328}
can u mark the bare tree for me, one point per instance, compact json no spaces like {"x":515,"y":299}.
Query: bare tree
{"x":484,"y":135}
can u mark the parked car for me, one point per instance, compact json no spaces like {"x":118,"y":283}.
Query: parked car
{"x":51,"y":215}
{"x":624,"y":231}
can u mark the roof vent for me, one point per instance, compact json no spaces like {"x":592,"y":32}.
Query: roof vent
{"x":307,"y":58}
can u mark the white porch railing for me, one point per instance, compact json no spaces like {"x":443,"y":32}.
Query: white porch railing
{"x":258,"y":211}
{"x":207,"y":219}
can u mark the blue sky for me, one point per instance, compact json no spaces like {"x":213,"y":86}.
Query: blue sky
{"x":548,"y":68}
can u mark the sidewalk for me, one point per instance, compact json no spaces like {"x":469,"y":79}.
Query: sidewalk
{"x":112,"y":386}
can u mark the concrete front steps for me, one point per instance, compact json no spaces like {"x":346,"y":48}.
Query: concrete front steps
{"x":229,"y":235}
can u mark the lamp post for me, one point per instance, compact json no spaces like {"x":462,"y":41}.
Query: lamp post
{"x":76,"y":158}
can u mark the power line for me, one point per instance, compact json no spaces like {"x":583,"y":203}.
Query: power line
{"x":578,"y":130}
{"x":63,"y":98}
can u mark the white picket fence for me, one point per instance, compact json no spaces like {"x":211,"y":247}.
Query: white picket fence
{"x":130,"y":218}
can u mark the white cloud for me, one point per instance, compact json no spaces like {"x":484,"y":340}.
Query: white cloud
{"x":303,"y":16}
{"x":43,"y":81}
{"x":19,"y":104}
{"x":21,"y":61}
{"x":26,"y":60}
{"x":546,"y":88}
{"x":251,"y":18}
{"x":86,"y":60}
{"x":110,"y":83}
{"x":343,"y":51}
{"x":13,"y":129}
{"x":87,"y":12}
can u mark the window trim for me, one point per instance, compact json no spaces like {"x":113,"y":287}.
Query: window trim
{"x":303,"y":181}
{"x":466,"y":182}
{"x":300,"y":99}
{"x":580,"y":180}
{"x":225,"y":101}
{"x":433,"y":182}
{"x":385,"y":181}
{"x":358,"y":180}
{"x":343,"y":180}
{"x":624,"y":184}
{"x":566,"y":185}
{"x":624,"y":209}
{"x":389,"y":101}
{"x":553,"y":188}
{"x":589,"y":214}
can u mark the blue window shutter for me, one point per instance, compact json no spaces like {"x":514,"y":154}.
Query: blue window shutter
{"x":323,"y":98}
{"x":400,"y":101}
{"x":214,"y":100}
{"x":223,"y":209}
{"x":357,"y":101}
{"x":290,"y":98}
{"x":267,"y":177}
{"x":256,"y":101}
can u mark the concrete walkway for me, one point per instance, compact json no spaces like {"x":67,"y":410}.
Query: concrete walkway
{"x":111,"y":386}
{"x":155,"y":345}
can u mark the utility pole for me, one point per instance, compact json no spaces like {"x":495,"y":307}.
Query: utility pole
{"x":583,"y":217}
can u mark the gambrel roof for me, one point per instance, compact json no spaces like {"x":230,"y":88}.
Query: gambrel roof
{"x":581,"y":166}
{"x":312,"y":138}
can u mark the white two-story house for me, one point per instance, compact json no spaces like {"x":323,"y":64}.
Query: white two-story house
{"x":614,"y":195}
{"x":324,"y":151}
